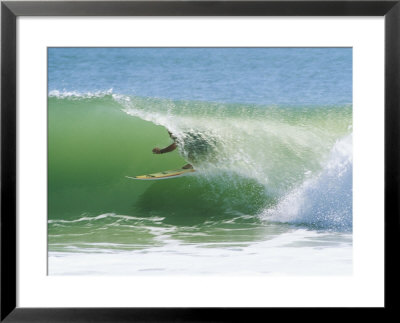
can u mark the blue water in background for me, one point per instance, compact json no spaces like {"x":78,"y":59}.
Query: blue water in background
{"x":266,"y":76}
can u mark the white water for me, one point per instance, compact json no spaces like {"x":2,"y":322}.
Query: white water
{"x":297,"y":252}
{"x":325,"y":199}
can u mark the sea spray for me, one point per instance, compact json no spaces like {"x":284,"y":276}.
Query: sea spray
{"x":324,"y":201}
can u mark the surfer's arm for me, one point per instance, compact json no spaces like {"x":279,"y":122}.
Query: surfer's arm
{"x":171,"y":147}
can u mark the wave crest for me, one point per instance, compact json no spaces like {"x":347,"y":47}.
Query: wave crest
{"x":75,"y":95}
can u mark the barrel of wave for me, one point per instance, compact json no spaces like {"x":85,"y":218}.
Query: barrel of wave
{"x":92,"y":145}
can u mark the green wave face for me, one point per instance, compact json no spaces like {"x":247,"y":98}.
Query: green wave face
{"x":258,"y":155}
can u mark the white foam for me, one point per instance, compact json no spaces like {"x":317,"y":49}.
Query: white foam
{"x":324,"y":200}
{"x":299,"y":252}
{"x":106,"y":215}
{"x":75,"y":95}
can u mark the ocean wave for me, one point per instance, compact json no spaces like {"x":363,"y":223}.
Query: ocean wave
{"x":290,"y":164}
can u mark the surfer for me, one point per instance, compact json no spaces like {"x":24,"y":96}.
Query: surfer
{"x":170,"y":148}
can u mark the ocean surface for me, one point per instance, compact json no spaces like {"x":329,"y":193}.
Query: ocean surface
{"x":273,"y":198}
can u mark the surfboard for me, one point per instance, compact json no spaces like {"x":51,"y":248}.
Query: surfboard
{"x":164,"y":175}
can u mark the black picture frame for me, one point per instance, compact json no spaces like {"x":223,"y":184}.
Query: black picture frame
{"x":10,"y":10}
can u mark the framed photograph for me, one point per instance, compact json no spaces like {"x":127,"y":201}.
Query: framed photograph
{"x":197,"y":161}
